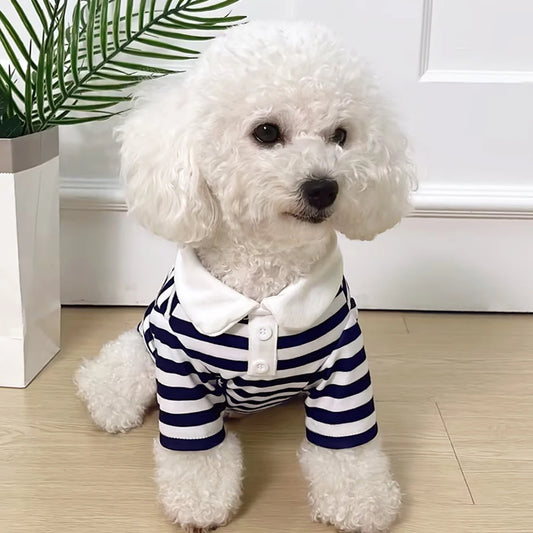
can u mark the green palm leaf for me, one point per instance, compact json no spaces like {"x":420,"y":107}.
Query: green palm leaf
{"x":79,"y":72}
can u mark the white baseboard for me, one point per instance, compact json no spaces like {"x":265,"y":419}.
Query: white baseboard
{"x":474,"y":202}
{"x":462,"y":249}
{"x":429,"y":201}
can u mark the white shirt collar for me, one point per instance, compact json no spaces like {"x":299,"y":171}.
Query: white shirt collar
{"x":214,"y":308}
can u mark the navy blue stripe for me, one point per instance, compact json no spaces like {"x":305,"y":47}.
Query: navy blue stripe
{"x":166,"y":337}
{"x":162,"y":307}
{"x":170,"y":340}
{"x":174,"y":303}
{"x":347,"y":336}
{"x":339,"y":443}
{"x":184,"y":368}
{"x":167,"y":284}
{"x":192,"y":445}
{"x":342,"y":365}
{"x":311,"y":357}
{"x":145,"y":334}
{"x":226,"y":339}
{"x":268,"y":394}
{"x":344,"y":287}
{"x":183,"y":393}
{"x":265,"y":405}
{"x":342,"y":417}
{"x":219,"y":363}
{"x":146,"y":315}
{"x":342,"y":391}
{"x":240,"y":382}
{"x":290,"y":341}
{"x":169,"y":281}
{"x":148,"y":310}
{"x":198,"y":418}
{"x":280,"y":399}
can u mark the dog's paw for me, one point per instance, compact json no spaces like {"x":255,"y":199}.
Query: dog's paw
{"x":373,"y":512}
{"x":352,"y":490}
{"x":200,"y":491}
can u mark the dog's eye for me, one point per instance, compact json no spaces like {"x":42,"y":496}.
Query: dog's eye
{"x":339,"y":136}
{"x":267,"y":134}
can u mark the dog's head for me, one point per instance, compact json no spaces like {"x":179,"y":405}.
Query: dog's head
{"x":277,"y":133}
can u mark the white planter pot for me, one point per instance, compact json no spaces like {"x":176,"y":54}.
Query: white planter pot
{"x":29,"y":256}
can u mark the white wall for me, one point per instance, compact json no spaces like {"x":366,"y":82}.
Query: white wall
{"x":460,"y":73}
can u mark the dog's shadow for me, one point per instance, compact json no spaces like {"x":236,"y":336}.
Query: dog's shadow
{"x":270,"y":440}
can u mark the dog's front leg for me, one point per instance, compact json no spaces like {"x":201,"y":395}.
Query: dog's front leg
{"x":352,"y":489}
{"x":200,"y":490}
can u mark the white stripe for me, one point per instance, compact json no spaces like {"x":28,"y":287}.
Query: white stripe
{"x":255,"y":409}
{"x":273,"y":389}
{"x":181,"y":407}
{"x":176,"y":380}
{"x":344,"y":352}
{"x":214,"y":350}
{"x":336,"y":405}
{"x":268,"y":403}
{"x":165,"y":295}
{"x":341,"y":430}
{"x":330,"y":336}
{"x":179,"y":356}
{"x":344,"y":378}
{"x":192,"y":432}
{"x":235,"y":394}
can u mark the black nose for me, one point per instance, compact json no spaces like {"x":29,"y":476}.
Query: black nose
{"x":320,"y":192}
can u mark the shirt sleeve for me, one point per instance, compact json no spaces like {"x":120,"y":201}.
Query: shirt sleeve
{"x":191,"y":400}
{"x":340,"y":407}
{"x":191,"y":404}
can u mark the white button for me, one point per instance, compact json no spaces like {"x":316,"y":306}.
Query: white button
{"x":260,"y":367}
{"x":265,"y":333}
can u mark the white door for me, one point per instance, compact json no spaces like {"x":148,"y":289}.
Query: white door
{"x":460,"y":73}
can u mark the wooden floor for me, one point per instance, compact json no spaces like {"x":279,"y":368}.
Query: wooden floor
{"x":455,"y":404}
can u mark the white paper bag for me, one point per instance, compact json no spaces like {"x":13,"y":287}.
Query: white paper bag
{"x":29,"y":256}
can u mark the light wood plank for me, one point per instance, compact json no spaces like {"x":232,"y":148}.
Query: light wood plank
{"x":382,"y":322}
{"x":480,"y":324}
{"x":493,"y":439}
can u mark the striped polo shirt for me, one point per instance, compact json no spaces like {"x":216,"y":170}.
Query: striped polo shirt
{"x":216,"y":349}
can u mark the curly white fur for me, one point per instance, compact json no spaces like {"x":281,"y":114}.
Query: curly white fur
{"x":351,"y":489}
{"x":194,"y":174}
{"x":200,"y":490}
{"x":119,"y":385}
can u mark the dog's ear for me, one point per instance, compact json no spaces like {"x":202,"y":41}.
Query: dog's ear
{"x":164,"y":186}
{"x":384,"y":176}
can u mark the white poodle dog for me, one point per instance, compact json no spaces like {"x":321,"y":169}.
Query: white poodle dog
{"x":252,"y":161}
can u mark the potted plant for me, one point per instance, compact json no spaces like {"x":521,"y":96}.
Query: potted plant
{"x":67,"y":71}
